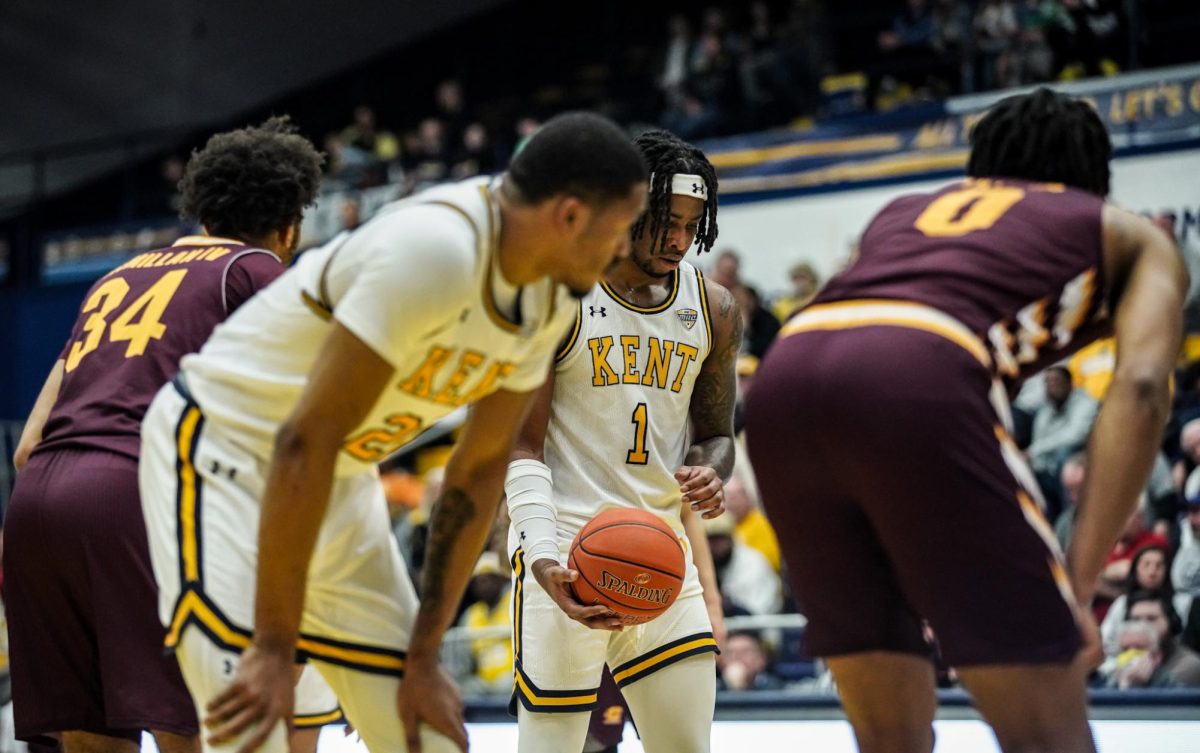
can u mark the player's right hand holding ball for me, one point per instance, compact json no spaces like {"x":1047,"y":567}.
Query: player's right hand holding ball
{"x":555,"y":579}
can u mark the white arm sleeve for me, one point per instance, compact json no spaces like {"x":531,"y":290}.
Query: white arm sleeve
{"x":403,"y":276}
{"x":529,"y":487}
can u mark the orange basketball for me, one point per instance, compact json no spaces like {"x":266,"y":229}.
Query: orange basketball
{"x":629,"y":561}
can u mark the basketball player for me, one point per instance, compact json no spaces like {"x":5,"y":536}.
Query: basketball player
{"x":86,"y":641}
{"x":267,"y":524}
{"x":878,"y":429}
{"x":651,"y":352}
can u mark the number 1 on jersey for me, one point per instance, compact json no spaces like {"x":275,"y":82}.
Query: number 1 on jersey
{"x":638,"y":455}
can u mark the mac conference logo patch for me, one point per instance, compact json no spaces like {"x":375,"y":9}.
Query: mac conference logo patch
{"x":687,"y":316}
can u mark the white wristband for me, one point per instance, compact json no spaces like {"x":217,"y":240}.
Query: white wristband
{"x":529,"y":487}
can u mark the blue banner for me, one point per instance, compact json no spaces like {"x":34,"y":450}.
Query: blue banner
{"x":1154,"y":110}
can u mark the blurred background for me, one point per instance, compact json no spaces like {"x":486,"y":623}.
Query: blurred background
{"x":815,"y":113}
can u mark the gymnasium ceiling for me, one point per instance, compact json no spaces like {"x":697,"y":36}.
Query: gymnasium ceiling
{"x":89,"y":70}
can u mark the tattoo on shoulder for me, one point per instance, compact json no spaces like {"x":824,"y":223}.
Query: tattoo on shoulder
{"x":715,"y":392}
{"x":451,"y":515}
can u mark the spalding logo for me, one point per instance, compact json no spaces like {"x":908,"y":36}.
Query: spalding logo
{"x":642,"y":579}
{"x":610,"y":582}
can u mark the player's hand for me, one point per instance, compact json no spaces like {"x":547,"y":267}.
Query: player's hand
{"x":701,"y":488}
{"x":427,"y":695}
{"x":258,"y":699}
{"x":1091,"y":653}
{"x":553,"y":578}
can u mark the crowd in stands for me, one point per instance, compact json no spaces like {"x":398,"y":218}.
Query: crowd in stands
{"x":734,"y":68}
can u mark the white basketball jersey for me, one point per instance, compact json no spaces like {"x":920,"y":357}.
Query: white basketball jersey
{"x":618,"y":426}
{"x":416,"y":284}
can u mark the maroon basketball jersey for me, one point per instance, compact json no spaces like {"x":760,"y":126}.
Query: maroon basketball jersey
{"x":135,"y":324}
{"x":1019,"y":263}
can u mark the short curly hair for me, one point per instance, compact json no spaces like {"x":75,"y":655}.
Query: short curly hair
{"x":252,"y":181}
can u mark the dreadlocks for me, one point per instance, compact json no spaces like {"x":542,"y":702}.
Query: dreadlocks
{"x":666,"y":155}
{"x":1043,"y":136}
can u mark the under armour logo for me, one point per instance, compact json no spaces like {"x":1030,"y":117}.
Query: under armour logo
{"x":592,"y":311}
{"x":697,"y":188}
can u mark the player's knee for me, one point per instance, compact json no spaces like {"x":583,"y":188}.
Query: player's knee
{"x":889,"y":733}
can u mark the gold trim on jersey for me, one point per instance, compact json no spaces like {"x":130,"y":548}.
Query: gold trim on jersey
{"x":573,"y":337}
{"x":489,"y":294}
{"x":315,"y":306}
{"x":652,"y":309}
{"x":524,"y":690}
{"x":704,"y":306}
{"x":309,"y":721}
{"x":195,"y":608}
{"x":206,"y":240}
{"x":664,"y":656}
{"x":889,"y":313}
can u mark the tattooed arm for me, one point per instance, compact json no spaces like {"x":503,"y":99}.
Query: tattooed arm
{"x":462,"y":518}
{"x":709,"y":460}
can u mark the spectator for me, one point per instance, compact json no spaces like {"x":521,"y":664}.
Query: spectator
{"x":711,"y":97}
{"x":747,"y":582}
{"x":1117,"y":566}
{"x":1189,"y":453}
{"x":474,"y":155}
{"x":996,"y":31}
{"x":362,"y":134}
{"x":1088,"y":38}
{"x":805,"y":284}
{"x":451,"y":109}
{"x":1072,"y":476}
{"x":1147,"y":572}
{"x":489,"y":605}
{"x":726,"y":270}
{"x":426,"y":162}
{"x":349,"y":213}
{"x":677,"y":58}
{"x":1185,"y":571}
{"x":752,"y":527}
{"x":1150,"y":653}
{"x":1060,"y":428}
{"x":913,"y":52}
{"x":745,"y":664}
{"x":1034,"y":59}
{"x":759,"y":326}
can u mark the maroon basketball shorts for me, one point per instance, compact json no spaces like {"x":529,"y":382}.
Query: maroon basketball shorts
{"x":898,"y":496}
{"x":85,"y":641}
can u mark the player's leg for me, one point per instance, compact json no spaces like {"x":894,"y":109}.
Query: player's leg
{"x":75,"y":741}
{"x":558,"y":665}
{"x":541,"y":732}
{"x":315,"y":705}
{"x":169,"y":742}
{"x":889,"y":699}
{"x":200,"y":502}
{"x":975,"y":556}
{"x":369,"y":702}
{"x":673,"y":708}
{"x":91,"y":664}
{"x":1033,"y":708}
{"x":812,"y":414}
{"x":304,"y":740}
{"x":208,"y":669}
{"x":670,"y":657}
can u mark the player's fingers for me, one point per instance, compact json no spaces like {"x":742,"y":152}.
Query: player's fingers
{"x":227,"y":706}
{"x":227,"y":701}
{"x":684,"y":472}
{"x":255,"y":741}
{"x":715,"y":512}
{"x":708,"y":502}
{"x":562,"y":574}
{"x":235,"y":725}
{"x":412,"y":730}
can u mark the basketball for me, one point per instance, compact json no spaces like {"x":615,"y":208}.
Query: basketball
{"x":629,"y":561}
